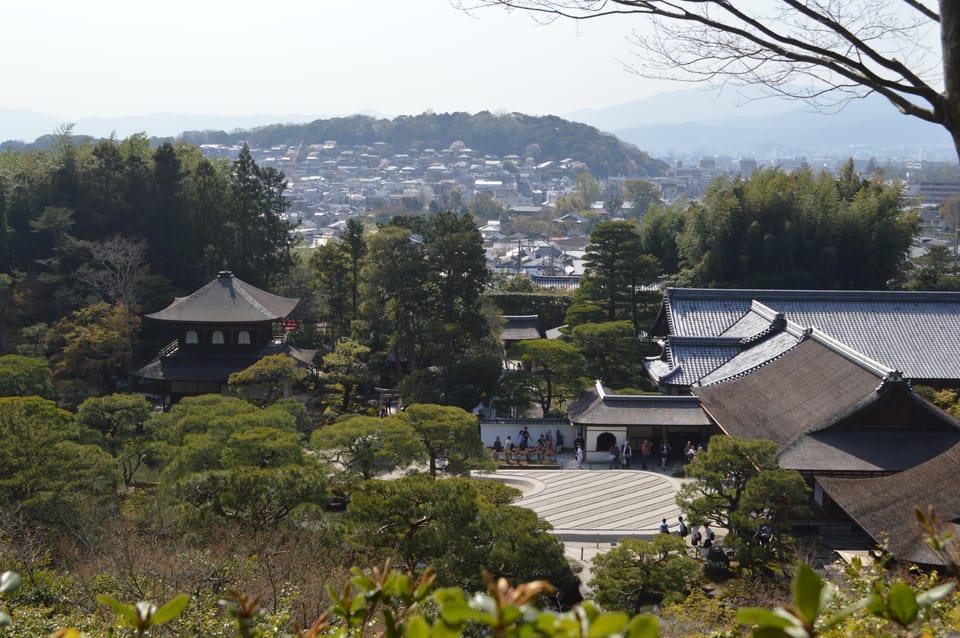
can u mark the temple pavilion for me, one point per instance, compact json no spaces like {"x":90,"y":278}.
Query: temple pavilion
{"x":222,"y":328}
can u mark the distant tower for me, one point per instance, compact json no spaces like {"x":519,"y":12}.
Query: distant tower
{"x":748,"y":166}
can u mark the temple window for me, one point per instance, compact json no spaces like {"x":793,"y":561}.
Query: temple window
{"x":217,"y":337}
{"x":243,"y":337}
{"x":192,"y":337}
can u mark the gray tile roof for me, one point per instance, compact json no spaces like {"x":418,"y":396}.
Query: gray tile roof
{"x":750,"y":359}
{"x":748,"y":325}
{"x":915,"y":332}
{"x":520,"y":328}
{"x":597,"y":407}
{"x":227,"y":299}
{"x":194,"y":368}
{"x":691,"y":358}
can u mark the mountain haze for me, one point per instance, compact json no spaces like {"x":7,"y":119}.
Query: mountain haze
{"x":678,"y":123}
{"x":699,"y":122}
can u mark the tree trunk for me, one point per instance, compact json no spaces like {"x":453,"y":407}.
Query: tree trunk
{"x":950,"y":43}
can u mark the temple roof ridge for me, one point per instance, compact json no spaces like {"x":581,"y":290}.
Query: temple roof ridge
{"x":227,"y":299}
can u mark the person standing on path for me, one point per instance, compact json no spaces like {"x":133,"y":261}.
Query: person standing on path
{"x":626,"y":452}
{"x":497,"y":449}
{"x":579,"y":455}
{"x":646,"y":447}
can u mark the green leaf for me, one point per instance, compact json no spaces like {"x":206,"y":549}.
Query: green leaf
{"x":763,"y":618}
{"x":607,"y":625}
{"x":927,"y":598}
{"x":777,"y":632}
{"x":902,"y":603}
{"x":417,"y":627}
{"x":362,"y":581}
{"x":455,"y":611}
{"x":807,"y":594}
{"x":9,"y":582}
{"x":126,"y":612}
{"x":838,"y":617}
{"x":169,"y":611}
{"x":5,"y":619}
{"x":443,"y":630}
{"x":643,"y":626}
{"x":876,"y":605}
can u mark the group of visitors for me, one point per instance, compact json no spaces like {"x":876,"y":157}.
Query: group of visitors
{"x":703,"y":539}
{"x":523,"y":449}
{"x":620,"y":455}
{"x":690,"y":450}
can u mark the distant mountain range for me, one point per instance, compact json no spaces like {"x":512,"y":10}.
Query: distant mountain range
{"x":27,"y":126}
{"x":673,"y":124}
{"x":699,"y":123}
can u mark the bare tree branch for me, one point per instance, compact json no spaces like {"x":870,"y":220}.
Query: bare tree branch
{"x":825,"y":52}
{"x":117,"y":270}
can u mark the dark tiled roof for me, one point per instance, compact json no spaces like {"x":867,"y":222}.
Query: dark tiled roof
{"x":174,"y":369}
{"x":883,"y":506}
{"x":521,"y":328}
{"x":227,"y":299}
{"x":748,"y":325}
{"x":196,"y":368}
{"x":915,"y":332}
{"x":597,"y":407}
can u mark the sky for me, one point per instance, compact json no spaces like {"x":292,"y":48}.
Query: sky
{"x":113,"y":58}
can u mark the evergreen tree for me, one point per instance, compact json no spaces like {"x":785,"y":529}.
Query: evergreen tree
{"x":257,"y":231}
{"x":615,"y":270}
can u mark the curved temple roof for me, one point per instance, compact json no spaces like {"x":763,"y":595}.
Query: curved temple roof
{"x":227,"y":299}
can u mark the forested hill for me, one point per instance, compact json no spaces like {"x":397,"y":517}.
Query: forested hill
{"x":484,"y":132}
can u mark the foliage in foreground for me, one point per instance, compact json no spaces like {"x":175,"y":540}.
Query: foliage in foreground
{"x":388,"y":603}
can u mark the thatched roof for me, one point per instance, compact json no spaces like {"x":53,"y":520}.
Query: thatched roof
{"x":884,"y":506}
{"x":829,"y":409}
{"x":800,"y":392}
{"x":227,"y":299}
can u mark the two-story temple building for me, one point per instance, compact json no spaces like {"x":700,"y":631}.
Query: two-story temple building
{"x":222,"y":328}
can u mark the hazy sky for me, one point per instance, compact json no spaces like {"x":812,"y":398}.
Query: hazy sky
{"x":108,"y":58}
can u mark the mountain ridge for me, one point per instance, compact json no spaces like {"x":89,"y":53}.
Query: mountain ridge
{"x":668,"y":124}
